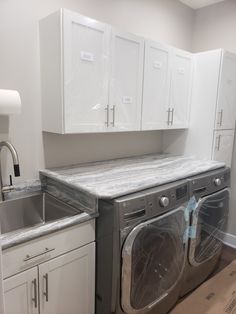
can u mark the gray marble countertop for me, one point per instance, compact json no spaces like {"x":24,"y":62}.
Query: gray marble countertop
{"x":114,"y":178}
{"x":20,"y":236}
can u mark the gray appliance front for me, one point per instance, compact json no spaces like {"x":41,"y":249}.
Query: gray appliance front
{"x":153,"y":259}
{"x":209,"y":223}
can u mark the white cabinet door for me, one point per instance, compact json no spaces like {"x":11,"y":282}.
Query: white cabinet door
{"x":226,"y":106}
{"x":181,"y":83}
{"x":223,"y":146}
{"x":21,"y":293}
{"x":156,"y":86}
{"x":86,"y":62}
{"x":125,"y":95}
{"x":67,"y":283}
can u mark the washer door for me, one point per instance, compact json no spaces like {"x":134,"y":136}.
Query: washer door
{"x":209,"y":222}
{"x":153,"y":258}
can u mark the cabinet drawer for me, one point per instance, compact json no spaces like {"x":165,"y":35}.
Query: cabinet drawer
{"x":32,"y":253}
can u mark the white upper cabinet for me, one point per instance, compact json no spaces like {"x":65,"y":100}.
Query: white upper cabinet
{"x":86,"y":57}
{"x":74,"y":73}
{"x":92,"y":78}
{"x":125,"y":95}
{"x":181,"y":83}
{"x":167,"y":87}
{"x":226,"y":106}
{"x":156,"y":86}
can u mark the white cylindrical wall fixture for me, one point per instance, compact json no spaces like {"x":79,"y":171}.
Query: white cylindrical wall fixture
{"x":10,"y":102}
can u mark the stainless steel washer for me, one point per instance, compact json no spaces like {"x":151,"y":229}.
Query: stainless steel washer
{"x":141,"y":250}
{"x":209,"y":219}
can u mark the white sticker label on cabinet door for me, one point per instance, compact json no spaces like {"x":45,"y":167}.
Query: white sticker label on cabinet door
{"x":157,"y":65}
{"x":181,"y":70}
{"x":86,"y":56}
{"x":127,"y":100}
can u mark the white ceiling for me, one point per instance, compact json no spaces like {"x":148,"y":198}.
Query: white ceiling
{"x":197,"y":4}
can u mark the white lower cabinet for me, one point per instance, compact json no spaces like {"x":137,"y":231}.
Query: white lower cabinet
{"x":53,"y":274}
{"x":223,"y":146}
{"x":66,"y":283}
{"x":21,"y":293}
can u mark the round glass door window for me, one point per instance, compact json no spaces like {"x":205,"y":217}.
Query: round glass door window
{"x":153,"y":260}
{"x":210,"y":222}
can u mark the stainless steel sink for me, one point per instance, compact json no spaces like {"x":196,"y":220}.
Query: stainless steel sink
{"x":32,"y":210}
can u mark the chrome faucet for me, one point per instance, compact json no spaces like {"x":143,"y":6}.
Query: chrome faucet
{"x":16,"y":168}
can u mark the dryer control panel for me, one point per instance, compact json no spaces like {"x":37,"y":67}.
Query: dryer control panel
{"x":210,"y":182}
{"x":138,"y":207}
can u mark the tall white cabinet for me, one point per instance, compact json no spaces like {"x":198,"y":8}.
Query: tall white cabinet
{"x":225,"y":110}
{"x":213,"y":110}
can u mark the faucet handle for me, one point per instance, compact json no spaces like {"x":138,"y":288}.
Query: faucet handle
{"x":16,"y":170}
{"x":8,"y":188}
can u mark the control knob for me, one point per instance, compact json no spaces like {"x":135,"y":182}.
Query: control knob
{"x":164,"y":201}
{"x":217,"y":182}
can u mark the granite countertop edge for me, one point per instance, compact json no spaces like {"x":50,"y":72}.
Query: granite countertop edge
{"x":48,"y":173}
{"x":21,"y":236}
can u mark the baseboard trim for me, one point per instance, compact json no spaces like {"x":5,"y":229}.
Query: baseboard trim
{"x":230,"y":240}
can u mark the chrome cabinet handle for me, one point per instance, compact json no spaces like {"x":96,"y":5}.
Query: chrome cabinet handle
{"x":113,"y":109}
{"x":107,"y":110}
{"x":218,"y":140}
{"x":220,"y":117}
{"x":172,"y":116}
{"x":29,"y":257}
{"x":34,"y":299}
{"x":45,"y":277}
{"x":168,"y":116}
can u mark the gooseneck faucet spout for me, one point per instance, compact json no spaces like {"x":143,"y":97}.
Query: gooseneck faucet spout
{"x":15,"y":164}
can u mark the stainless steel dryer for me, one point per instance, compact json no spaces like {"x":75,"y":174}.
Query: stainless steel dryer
{"x":141,"y":250}
{"x":208,"y":223}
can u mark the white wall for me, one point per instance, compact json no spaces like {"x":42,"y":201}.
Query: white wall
{"x":165,"y":20}
{"x":215,"y":27}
